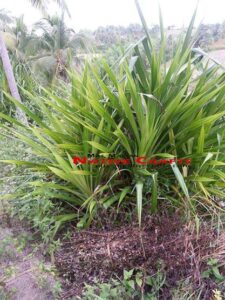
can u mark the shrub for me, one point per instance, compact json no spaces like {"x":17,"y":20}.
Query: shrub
{"x":146,"y":107}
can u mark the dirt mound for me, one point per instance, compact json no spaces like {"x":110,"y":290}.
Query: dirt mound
{"x":93,"y":253}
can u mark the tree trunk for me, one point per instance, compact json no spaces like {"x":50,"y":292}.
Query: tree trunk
{"x":11,"y":79}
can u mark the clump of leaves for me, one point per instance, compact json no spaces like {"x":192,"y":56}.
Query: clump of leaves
{"x":134,"y":285}
{"x":213,"y":271}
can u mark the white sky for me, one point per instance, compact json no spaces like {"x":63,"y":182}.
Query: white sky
{"x":89,"y":14}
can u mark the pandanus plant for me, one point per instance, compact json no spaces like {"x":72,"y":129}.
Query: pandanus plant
{"x":144,"y":106}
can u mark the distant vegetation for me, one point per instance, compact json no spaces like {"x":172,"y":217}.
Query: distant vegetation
{"x":50,"y":47}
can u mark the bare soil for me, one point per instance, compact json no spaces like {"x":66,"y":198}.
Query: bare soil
{"x":97,"y":253}
{"x":24,"y":273}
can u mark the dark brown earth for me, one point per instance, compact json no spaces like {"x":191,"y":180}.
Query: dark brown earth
{"x":95,"y":253}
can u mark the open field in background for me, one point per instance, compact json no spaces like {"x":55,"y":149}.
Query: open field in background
{"x":217,"y":45}
{"x":218,"y":55}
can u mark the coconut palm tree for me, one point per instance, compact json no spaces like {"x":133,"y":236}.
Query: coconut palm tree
{"x":57,"y":45}
{"x":42,"y":5}
{"x":5,"y":18}
{"x":8,"y":70}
